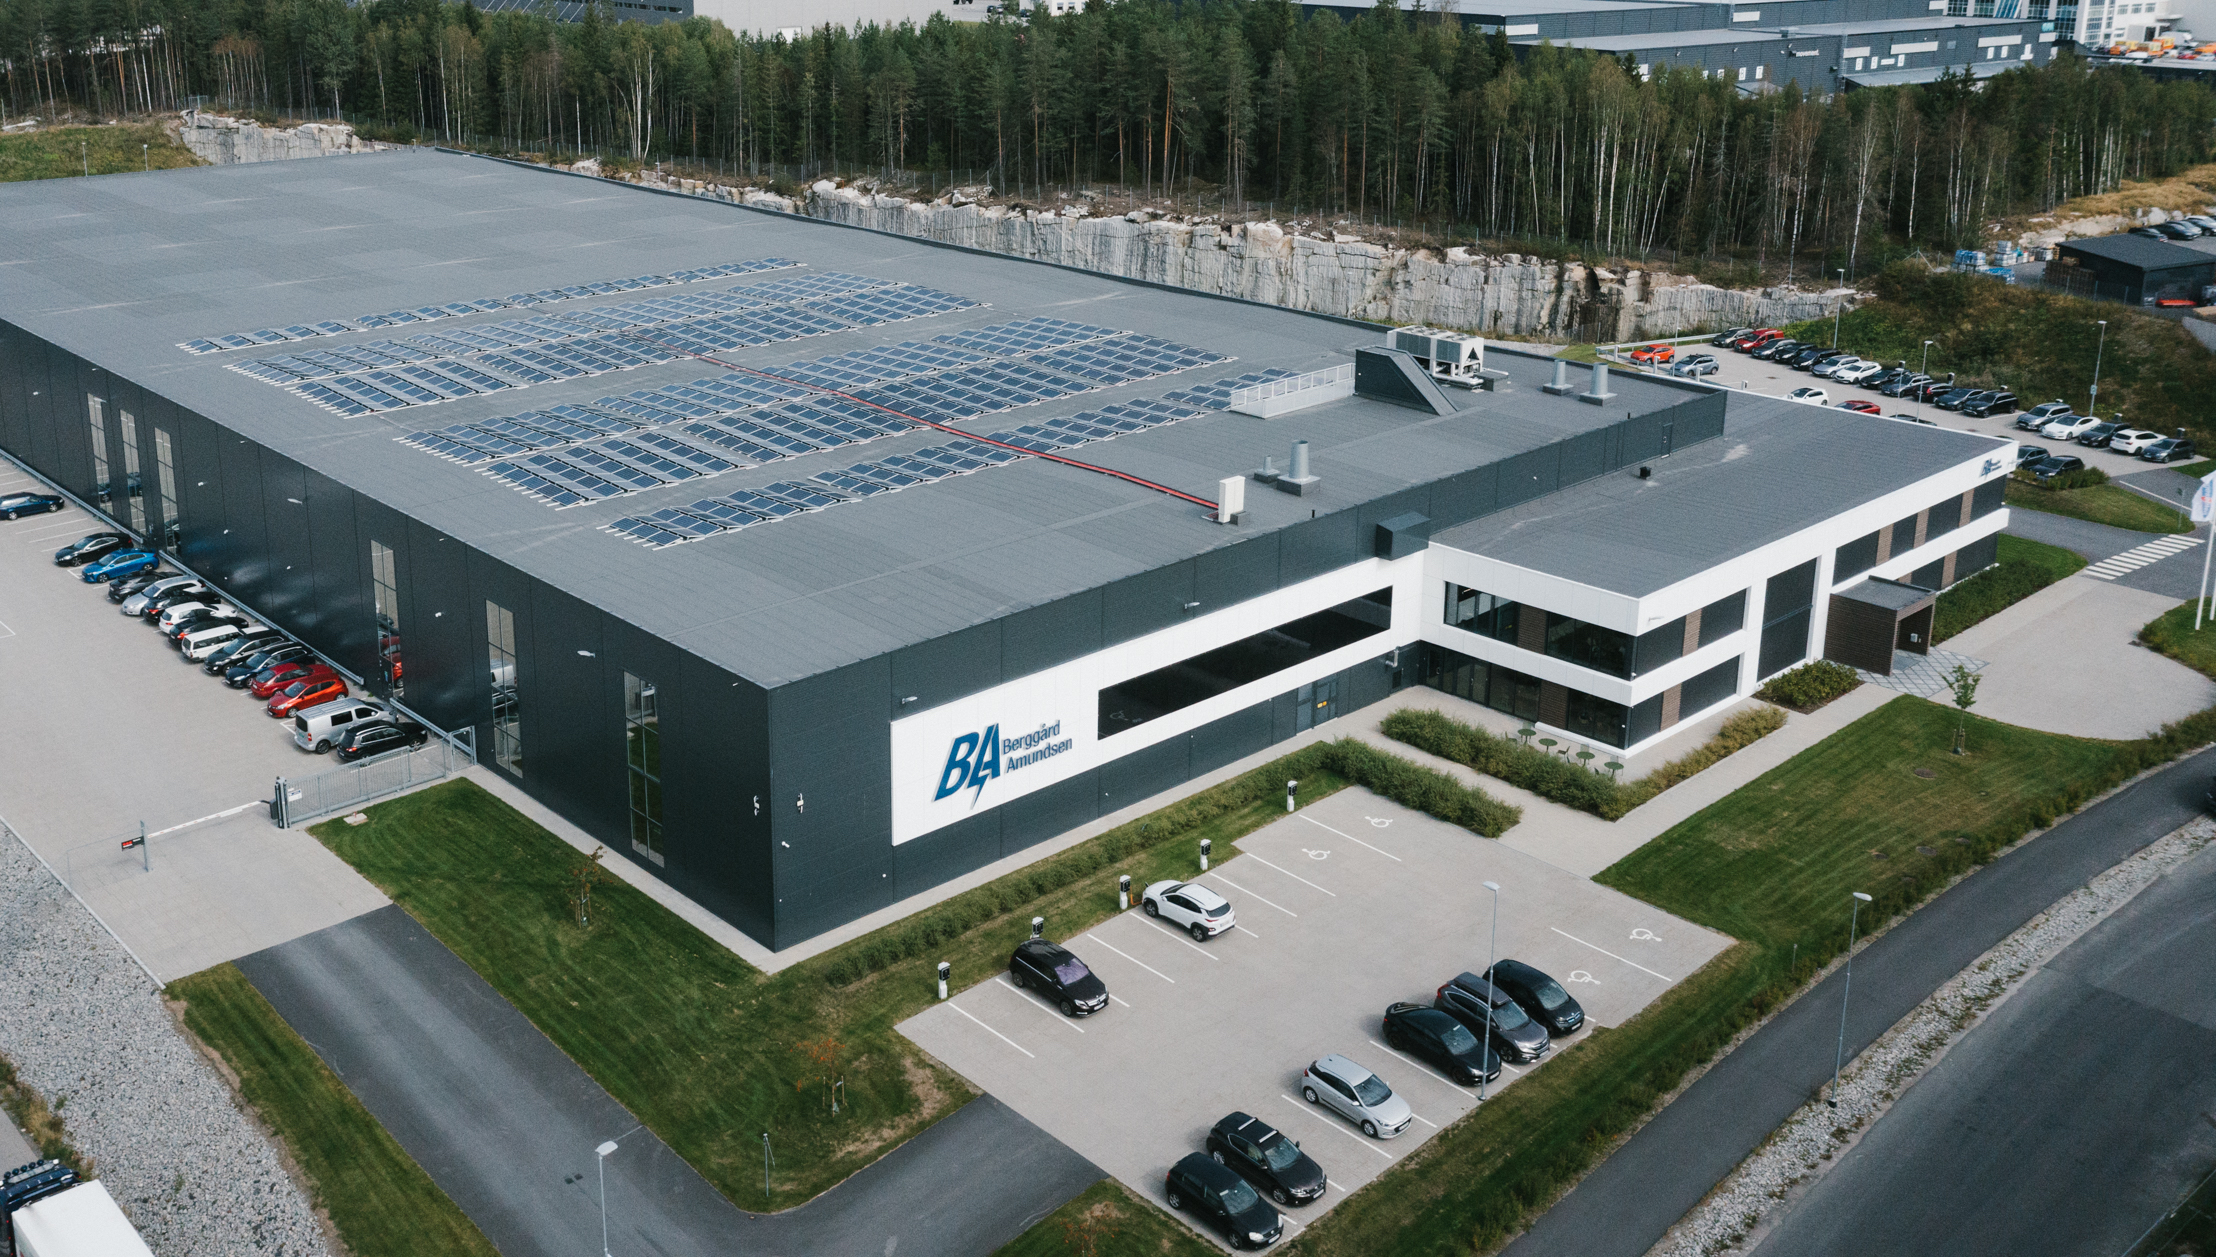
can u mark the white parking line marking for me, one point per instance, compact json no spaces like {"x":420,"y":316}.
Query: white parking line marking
{"x":989,"y":1030}
{"x":1120,"y":1000}
{"x":212,"y":816}
{"x":1244,"y":891}
{"x":1048,"y":1011}
{"x":1421,"y":1067}
{"x":1334,"y":1182}
{"x":47,"y":532}
{"x":1350,"y":838}
{"x":1133,"y":959}
{"x":1181,"y":938}
{"x":5,"y":631}
{"x":1611,"y":955}
{"x":1240,"y":928}
{"x":1421,"y":1118}
{"x":1289,"y":873}
{"x":1359,"y":1138}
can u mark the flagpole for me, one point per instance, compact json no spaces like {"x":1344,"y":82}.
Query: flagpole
{"x":2204,"y":511}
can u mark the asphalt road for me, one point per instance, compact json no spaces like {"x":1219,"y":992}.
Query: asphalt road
{"x":1626,"y":1204}
{"x":2082,"y":1110}
{"x":506,"y":1124}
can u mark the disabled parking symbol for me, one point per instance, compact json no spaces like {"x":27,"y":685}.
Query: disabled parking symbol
{"x":1579,"y":975}
{"x":1315,"y":855}
{"x":1645,"y":936}
{"x":1379,"y":822}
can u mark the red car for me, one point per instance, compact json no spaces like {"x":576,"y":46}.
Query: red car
{"x":284,"y":674}
{"x":1654,"y":354}
{"x":1861,"y":407}
{"x":1755,"y":340}
{"x":301,"y":695}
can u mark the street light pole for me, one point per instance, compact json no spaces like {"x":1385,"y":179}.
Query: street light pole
{"x":1836,"y":307}
{"x":1490,"y":948}
{"x":1925,"y":371}
{"x":1839,"y":1060}
{"x":604,"y":1150}
{"x":2093,"y":398}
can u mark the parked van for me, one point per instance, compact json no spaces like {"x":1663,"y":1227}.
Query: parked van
{"x":319,"y":728}
{"x":198,"y":644}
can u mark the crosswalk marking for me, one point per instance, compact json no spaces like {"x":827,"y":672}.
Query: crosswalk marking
{"x":2137,"y":557}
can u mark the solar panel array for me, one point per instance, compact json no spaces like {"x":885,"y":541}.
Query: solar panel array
{"x":432,"y":367}
{"x":425,"y":314}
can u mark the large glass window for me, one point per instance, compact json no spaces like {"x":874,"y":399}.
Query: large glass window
{"x":1708,"y":689}
{"x":642,"y":747}
{"x":133,"y":489}
{"x":1943,"y":517}
{"x":165,"y":482}
{"x":1855,"y":557}
{"x":1988,"y":498}
{"x":507,"y":706}
{"x":1787,"y":611}
{"x":1590,"y":645}
{"x":1502,"y":689}
{"x":1725,"y":615}
{"x":96,"y":412}
{"x":1129,"y":704}
{"x":1595,"y":719}
{"x":1481,"y":613}
{"x":384,"y":589}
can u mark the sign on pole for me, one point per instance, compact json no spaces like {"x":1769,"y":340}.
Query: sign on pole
{"x":2204,"y":510}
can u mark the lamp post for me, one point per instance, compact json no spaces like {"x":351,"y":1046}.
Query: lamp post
{"x":2093,"y":396}
{"x":1490,"y":947}
{"x":1925,"y":371}
{"x":604,"y":1150}
{"x":1836,"y":307}
{"x":1839,"y":1060}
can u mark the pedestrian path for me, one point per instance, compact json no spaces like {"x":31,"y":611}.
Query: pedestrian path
{"x":2139,"y":556}
{"x":1923,"y":675}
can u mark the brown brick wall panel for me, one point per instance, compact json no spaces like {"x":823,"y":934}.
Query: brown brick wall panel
{"x":1670,"y":699}
{"x":1554,"y":704}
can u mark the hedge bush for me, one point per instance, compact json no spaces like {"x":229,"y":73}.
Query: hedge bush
{"x":1809,"y":686}
{"x":2082,"y":478}
{"x":1739,"y":731}
{"x":1427,"y":790}
{"x":1989,"y":592}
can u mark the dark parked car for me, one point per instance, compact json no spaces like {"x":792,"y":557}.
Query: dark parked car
{"x":2179,"y":230}
{"x":239,"y":649}
{"x":1727,"y":338}
{"x":2168,"y":451}
{"x":1955,"y":398}
{"x":2097,"y":436}
{"x":376,"y":738}
{"x":86,"y":549}
{"x":2055,"y":464}
{"x":2151,"y":233}
{"x":194,"y":592}
{"x":1440,"y":1039}
{"x":1262,"y":1156}
{"x":1904,"y":385}
{"x":118,"y":590}
{"x":17,"y":505}
{"x":1540,"y":996}
{"x":2026,"y":455}
{"x":242,"y":673}
{"x":1885,"y":379}
{"x":1823,"y":358}
{"x":1998,"y":402}
{"x":1224,"y":1200}
{"x":1929,"y":390}
{"x":1515,"y":1035}
{"x":1052,"y":971}
{"x":1779,"y":348}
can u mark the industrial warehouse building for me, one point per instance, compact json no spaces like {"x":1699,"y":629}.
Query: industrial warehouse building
{"x":2134,"y":269}
{"x":811,"y":567}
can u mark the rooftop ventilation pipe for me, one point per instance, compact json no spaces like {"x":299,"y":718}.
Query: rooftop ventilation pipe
{"x":1598,"y":394}
{"x":1297,"y":481}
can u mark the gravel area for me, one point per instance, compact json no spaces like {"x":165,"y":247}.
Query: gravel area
{"x":1733,"y":1218}
{"x":86,"y":1028}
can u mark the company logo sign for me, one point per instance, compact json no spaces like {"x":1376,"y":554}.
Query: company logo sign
{"x":973,"y":759}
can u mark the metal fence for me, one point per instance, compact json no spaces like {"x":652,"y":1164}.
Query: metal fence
{"x":300,"y":799}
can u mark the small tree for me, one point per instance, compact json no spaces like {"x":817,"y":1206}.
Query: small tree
{"x":823,"y":1057}
{"x":1964,"y":683}
{"x":588,"y":874}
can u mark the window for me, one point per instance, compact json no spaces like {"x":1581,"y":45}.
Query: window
{"x":1944,"y":517}
{"x":1481,"y":613}
{"x":1976,"y":556}
{"x":1723,"y":616}
{"x":165,"y":481}
{"x":1129,"y":704}
{"x":97,"y":411}
{"x":1904,"y":536}
{"x":1590,"y":645}
{"x":1595,"y":719}
{"x":1988,"y":498}
{"x":507,"y":708}
{"x":1787,"y":610}
{"x":1852,"y":559}
{"x":1502,"y":689}
{"x":642,"y":748}
{"x":1708,"y":689}
{"x":132,"y":488}
{"x":384,"y":593}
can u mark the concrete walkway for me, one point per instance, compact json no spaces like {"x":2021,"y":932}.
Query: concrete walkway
{"x":2065,"y":661}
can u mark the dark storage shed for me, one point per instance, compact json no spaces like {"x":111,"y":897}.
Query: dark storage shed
{"x":2139,"y":269}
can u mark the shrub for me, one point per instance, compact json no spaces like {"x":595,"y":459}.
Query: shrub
{"x":1425,"y":789}
{"x":1987,"y":593}
{"x":2082,"y":478}
{"x":1739,"y":731}
{"x":1809,"y":686}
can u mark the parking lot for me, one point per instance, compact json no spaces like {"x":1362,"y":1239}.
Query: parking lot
{"x":1348,"y":906}
{"x":103,"y":728}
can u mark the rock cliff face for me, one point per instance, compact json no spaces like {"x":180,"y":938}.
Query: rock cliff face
{"x":223,"y":141}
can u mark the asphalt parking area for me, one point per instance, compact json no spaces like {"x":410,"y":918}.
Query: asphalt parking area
{"x":107,"y":728}
{"x":1343,"y":908}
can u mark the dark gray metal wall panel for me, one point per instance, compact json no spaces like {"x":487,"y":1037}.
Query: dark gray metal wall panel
{"x":440,"y":668}
{"x":1284,"y":711}
{"x":1527,"y":476}
{"x":1125,"y":781}
{"x":1584,"y":456}
{"x":15,"y":390}
{"x":287,"y":586}
{"x":722,"y":766}
{"x":830,"y":745}
{"x":337,"y":613}
{"x":1138,"y":605}
{"x":1229,"y":739}
{"x":1416,"y":501}
{"x":942,"y":855}
{"x":1461,"y":498}
{"x":572,"y":733}
{"x":943,"y":669}
{"x":245,"y":540}
{"x":1042,"y":636}
{"x":1226,"y":577}
{"x":43,"y":372}
{"x":1324,"y":544}
{"x":1043,"y":814}
{"x":70,"y":454}
{"x":1367,"y":682}
{"x":199,"y":490}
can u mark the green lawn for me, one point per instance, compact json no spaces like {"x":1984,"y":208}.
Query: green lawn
{"x":2172,"y":634}
{"x":2024,"y":568}
{"x":65,"y":151}
{"x":1118,"y":1223}
{"x":707,"y":1050}
{"x":378,"y":1198}
{"x":2110,"y":504}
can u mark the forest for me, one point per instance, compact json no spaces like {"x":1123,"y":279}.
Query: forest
{"x":1390,"y":116}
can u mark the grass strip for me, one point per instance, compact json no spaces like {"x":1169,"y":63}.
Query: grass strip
{"x":1107,"y":1219}
{"x":41,"y":1124}
{"x":2110,"y":504}
{"x":63,"y":151}
{"x":2172,"y":633}
{"x":2025,"y":567}
{"x":379,"y":1200}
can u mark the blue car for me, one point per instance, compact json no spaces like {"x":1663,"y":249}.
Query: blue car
{"x":118,"y":565}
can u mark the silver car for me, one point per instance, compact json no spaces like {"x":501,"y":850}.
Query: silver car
{"x":1695,"y":365}
{"x":1364,"y":1099}
{"x":136,"y":603}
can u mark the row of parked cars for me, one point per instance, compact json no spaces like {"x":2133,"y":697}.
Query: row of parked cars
{"x":2190,"y":227}
{"x":293,"y":685}
{"x":1473,"y":1022}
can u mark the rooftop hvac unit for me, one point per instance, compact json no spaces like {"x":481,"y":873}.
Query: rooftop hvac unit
{"x":1450,"y":357}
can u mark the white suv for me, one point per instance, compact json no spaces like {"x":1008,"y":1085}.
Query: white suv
{"x":1856,"y":372}
{"x":2132,"y":440}
{"x":1189,"y":906}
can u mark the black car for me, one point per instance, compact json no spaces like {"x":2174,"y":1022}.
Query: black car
{"x":194,"y":592}
{"x":1954,"y":398}
{"x":1540,"y":996}
{"x":241,"y":674}
{"x":2151,"y":233}
{"x":1260,"y":1155}
{"x":2026,"y":455}
{"x":1998,"y":402}
{"x":1930,"y":390}
{"x":1514,"y":1034}
{"x":2168,"y":451}
{"x":1726,"y":338}
{"x":124,"y":587}
{"x":1804,"y":356}
{"x":1780,"y":348}
{"x":378,"y":737}
{"x":1052,"y":971}
{"x":1823,"y":358}
{"x":1440,"y":1039}
{"x":1902,"y":386}
{"x":2178,"y":230}
{"x":1886,"y":379}
{"x":239,"y":649}
{"x":2055,"y":464}
{"x":2096,"y":437}
{"x":86,"y":549}
{"x":17,"y":505}
{"x":1228,"y":1203}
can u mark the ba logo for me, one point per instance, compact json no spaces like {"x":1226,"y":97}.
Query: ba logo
{"x":973,"y":760}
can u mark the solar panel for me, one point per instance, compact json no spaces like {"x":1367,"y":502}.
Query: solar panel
{"x":806,"y":497}
{"x":724,"y":513}
{"x":645,"y":531}
{"x":577,"y":475}
{"x":890,"y":477}
{"x":920,"y":468}
{"x":671,"y":447}
{"x":664,"y":469}
{"x":763,"y":505}
{"x":848,"y":483}
{"x":539,"y":486}
{"x":731,"y":443}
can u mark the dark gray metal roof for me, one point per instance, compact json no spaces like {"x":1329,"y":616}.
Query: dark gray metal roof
{"x":1891,"y":595}
{"x":2144,"y":252}
{"x":1663,"y":39}
{"x":1779,"y":467}
{"x":122,"y":268}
